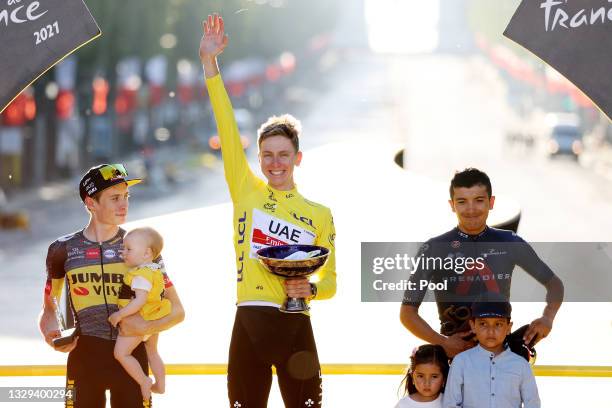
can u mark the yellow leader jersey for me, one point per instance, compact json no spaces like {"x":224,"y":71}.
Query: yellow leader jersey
{"x":265,"y":217}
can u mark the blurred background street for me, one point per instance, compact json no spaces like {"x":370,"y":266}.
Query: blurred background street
{"x":433,"y":86}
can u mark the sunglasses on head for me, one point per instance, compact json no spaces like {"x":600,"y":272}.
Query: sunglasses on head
{"x":113,"y":171}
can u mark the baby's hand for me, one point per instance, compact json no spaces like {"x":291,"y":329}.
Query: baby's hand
{"x":115,"y":318}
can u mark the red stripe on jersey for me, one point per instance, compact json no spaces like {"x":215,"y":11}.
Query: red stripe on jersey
{"x":92,"y":253}
{"x":260,"y":238}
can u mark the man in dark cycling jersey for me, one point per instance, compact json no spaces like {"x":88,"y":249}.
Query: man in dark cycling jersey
{"x":89,"y":262}
{"x":481,"y":261}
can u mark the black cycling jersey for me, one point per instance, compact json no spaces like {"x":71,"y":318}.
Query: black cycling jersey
{"x":470,"y":266}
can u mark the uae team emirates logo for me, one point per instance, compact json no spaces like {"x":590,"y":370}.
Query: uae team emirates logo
{"x":272,"y":231}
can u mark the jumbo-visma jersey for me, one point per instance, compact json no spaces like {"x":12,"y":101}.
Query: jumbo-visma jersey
{"x":92,"y":297}
{"x":265,"y":217}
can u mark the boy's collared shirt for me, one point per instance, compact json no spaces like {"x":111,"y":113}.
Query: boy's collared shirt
{"x":480,"y":379}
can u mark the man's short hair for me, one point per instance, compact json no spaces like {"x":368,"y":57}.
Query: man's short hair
{"x":97,"y":196}
{"x":285,"y":125}
{"x":470,"y":177}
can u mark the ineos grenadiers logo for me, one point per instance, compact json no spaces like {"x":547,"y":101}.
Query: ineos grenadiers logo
{"x":555,"y":16}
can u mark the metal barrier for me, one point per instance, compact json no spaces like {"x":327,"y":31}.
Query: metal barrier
{"x":328,"y":369}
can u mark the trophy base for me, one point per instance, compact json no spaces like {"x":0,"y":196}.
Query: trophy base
{"x":294,"y":305}
{"x":66,"y":337}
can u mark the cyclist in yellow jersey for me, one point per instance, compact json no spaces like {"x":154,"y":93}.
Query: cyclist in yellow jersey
{"x":265,"y":214}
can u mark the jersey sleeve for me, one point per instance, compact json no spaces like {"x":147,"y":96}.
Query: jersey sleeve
{"x":56,"y":258}
{"x":235,"y":164}
{"x":326,"y":287}
{"x":529,"y":260}
{"x":414,"y":297}
{"x":167,"y":282}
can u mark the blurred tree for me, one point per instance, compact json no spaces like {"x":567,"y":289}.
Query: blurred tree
{"x":256,"y":28}
{"x":490,"y":18}
{"x":263,"y":28}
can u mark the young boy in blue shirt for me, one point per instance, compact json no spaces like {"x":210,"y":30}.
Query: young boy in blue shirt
{"x":490,"y":375}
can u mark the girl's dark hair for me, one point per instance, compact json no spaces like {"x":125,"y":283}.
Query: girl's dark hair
{"x":425,"y":354}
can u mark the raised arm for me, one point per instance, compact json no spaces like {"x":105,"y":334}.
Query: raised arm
{"x":213,"y":42}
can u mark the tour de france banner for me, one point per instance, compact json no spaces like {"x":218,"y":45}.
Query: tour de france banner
{"x":572,"y":36}
{"x":461,"y":272}
{"x":36,"y":35}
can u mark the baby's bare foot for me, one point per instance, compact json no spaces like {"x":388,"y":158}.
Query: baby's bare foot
{"x":145,"y":389}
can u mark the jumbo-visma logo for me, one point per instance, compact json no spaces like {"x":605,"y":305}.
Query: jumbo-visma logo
{"x":86,"y":283}
{"x":80,"y":291}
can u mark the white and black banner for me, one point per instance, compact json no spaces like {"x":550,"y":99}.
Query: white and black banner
{"x":572,"y":36}
{"x":35,"y":35}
